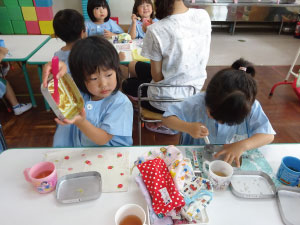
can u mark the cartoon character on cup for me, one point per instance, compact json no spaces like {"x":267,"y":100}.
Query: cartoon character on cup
{"x":44,"y":187}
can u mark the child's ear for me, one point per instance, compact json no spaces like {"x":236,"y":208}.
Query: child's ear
{"x":83,"y":34}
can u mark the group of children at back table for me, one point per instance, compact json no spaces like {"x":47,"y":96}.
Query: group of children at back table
{"x":227,"y":112}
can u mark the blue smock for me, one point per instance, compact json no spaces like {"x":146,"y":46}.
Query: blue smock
{"x":113,"y":114}
{"x":139,"y":28}
{"x":193,"y":109}
{"x":64,"y":56}
{"x":98,"y":29}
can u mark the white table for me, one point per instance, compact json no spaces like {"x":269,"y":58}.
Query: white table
{"x":21,"y":48}
{"x":44,"y":55}
{"x":20,"y":204}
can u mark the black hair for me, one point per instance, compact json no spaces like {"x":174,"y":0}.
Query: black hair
{"x":231,"y":93}
{"x":88,"y":56}
{"x":97,"y":3}
{"x":68,"y":25}
{"x":137,"y":3}
{"x":164,"y":8}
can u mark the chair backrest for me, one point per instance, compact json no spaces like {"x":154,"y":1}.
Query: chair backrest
{"x":116,"y":19}
{"x":154,"y":119}
{"x":3,"y":145}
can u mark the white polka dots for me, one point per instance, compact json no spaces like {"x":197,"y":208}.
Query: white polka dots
{"x":157,"y":178}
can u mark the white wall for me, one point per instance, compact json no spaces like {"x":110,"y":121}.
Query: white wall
{"x":120,"y":8}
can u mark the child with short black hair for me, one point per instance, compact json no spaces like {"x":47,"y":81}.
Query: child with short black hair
{"x":108,"y":114}
{"x":68,"y":25}
{"x":227,"y":113}
{"x":142,"y":16}
{"x":101,"y":24}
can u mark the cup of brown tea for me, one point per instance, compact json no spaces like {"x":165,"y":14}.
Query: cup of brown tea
{"x":42,"y":176}
{"x":130,"y":214}
{"x":219,"y":173}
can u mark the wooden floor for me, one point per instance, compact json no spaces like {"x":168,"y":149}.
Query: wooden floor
{"x":36,"y":127}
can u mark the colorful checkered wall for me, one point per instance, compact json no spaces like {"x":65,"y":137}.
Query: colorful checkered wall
{"x":26,"y":17}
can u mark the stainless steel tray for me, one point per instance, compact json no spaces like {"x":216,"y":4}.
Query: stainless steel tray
{"x":252,"y":184}
{"x":288,"y":199}
{"x":79,"y":187}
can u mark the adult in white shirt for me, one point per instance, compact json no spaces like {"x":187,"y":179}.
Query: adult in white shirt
{"x":178,"y":48}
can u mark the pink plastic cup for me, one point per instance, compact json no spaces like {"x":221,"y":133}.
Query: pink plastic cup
{"x":43,"y":177}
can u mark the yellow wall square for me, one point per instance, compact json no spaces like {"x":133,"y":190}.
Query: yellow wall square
{"x":46,"y":27}
{"x":29,"y":13}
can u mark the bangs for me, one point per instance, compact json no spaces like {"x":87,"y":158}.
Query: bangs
{"x":90,"y":55}
{"x":101,"y":4}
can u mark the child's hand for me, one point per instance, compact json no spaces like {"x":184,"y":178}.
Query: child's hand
{"x":3,"y":52}
{"x":122,"y":56}
{"x":107,"y":34}
{"x":76,"y":120}
{"x":198,"y":130}
{"x":232,"y":152}
{"x":47,"y":71}
{"x":134,"y":18}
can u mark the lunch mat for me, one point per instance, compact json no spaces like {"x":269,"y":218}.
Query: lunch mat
{"x":112,"y":164}
{"x":252,"y":160}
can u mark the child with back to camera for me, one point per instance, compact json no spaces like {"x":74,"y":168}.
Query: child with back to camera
{"x":227,"y":113}
{"x":178,"y":48}
{"x":142,"y":16}
{"x":68,"y":25}
{"x":101,"y":24}
{"x":108,"y":114}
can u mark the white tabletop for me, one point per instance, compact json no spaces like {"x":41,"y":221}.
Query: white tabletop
{"x":21,"y":47}
{"x":20,"y":204}
{"x":46,"y":52}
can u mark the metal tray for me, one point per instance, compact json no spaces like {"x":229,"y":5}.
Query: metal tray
{"x":252,"y":184}
{"x":288,"y":199}
{"x":79,"y":187}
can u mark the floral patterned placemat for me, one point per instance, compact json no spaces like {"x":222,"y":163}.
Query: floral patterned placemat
{"x":252,"y":160}
{"x":113,"y":165}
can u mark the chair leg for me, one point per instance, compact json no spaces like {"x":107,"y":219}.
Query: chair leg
{"x":2,"y":139}
{"x":6,"y":105}
{"x":277,"y":84}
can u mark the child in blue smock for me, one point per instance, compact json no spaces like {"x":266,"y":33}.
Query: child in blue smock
{"x":142,"y":16}
{"x":101,"y":24}
{"x":68,"y":25}
{"x":108,"y":114}
{"x":227,"y":113}
{"x":6,"y":89}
